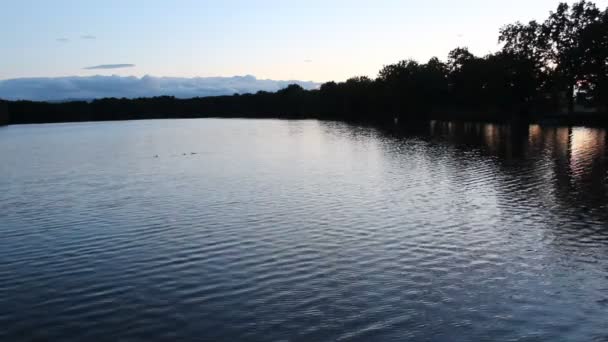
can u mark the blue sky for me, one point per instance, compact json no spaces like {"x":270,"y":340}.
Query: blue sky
{"x":306,"y":40}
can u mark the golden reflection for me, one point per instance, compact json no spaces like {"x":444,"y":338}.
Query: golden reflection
{"x":563,"y":135}
{"x":491,"y":136}
{"x":560,"y":140}
{"x":570,"y":163}
{"x":586,"y":145}
{"x":535,"y":134}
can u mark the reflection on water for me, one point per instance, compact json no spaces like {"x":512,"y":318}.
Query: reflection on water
{"x":257,"y":230}
{"x":572,"y":160}
{"x":588,"y":148}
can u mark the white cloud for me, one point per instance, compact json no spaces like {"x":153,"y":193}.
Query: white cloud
{"x":91,"y":87}
{"x":109,"y":66}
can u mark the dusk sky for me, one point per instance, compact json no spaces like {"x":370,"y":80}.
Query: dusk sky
{"x":316,"y":40}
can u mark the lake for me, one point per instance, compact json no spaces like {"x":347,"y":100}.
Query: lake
{"x":270,"y":230}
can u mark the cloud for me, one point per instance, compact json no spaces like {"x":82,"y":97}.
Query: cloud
{"x":87,"y":36}
{"x":92,"y":87}
{"x":109,"y":66}
{"x":62,"y":40}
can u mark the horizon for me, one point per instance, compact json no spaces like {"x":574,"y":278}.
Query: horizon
{"x":115,"y":86}
{"x":317,"y":42}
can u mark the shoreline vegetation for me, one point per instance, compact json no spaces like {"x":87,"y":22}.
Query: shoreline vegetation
{"x":4,"y":118}
{"x":553,"y":72}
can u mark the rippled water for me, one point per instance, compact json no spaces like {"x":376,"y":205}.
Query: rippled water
{"x":302,"y":230}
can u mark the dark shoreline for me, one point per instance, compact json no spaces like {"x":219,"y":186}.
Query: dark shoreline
{"x":27,"y":113}
{"x":598,"y":121}
{"x":4,"y":117}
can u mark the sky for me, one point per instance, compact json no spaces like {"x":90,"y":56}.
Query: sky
{"x":313,"y":40}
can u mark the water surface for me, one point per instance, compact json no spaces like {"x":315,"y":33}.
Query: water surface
{"x":268,"y":230}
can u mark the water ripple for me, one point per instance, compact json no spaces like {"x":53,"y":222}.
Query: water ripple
{"x":302,"y":230}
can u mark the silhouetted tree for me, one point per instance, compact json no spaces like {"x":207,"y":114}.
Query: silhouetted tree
{"x":466,"y":78}
{"x":524,"y":53}
{"x":564,"y":31}
{"x":593,"y":81}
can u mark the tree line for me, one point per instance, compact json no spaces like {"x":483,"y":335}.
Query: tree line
{"x":4,"y":119}
{"x":558,"y":65}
